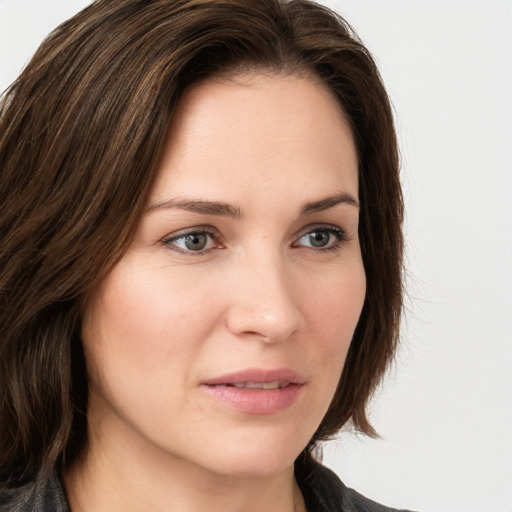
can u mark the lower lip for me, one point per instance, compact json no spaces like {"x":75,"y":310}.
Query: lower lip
{"x":256,"y":401}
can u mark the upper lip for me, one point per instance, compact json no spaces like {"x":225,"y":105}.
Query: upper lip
{"x":257,"y":375}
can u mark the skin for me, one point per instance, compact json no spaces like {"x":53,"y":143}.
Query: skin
{"x":259,"y":295}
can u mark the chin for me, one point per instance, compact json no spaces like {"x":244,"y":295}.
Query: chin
{"x":261,"y":467}
{"x":258,"y":458}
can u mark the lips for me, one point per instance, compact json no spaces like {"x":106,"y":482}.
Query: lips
{"x":257,"y":376}
{"x":261,"y":385}
{"x":256,"y":391}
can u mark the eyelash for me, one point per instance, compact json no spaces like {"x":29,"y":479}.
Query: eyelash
{"x":201,"y":230}
{"x":338,"y":233}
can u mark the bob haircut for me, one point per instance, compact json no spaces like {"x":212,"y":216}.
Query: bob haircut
{"x":81,"y":136}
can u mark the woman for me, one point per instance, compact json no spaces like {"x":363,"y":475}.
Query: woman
{"x":200,"y":258}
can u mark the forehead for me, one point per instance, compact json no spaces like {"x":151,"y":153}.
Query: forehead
{"x":258,"y":129}
{"x":240,"y":95}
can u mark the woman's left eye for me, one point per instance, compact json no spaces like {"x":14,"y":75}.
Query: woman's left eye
{"x":322,"y":238}
{"x":192,"y":242}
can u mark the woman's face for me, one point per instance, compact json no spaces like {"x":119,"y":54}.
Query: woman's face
{"x":219,"y":338}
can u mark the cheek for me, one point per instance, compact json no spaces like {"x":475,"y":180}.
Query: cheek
{"x":334,"y":311}
{"x":140,"y":321}
{"x":335,"y":306}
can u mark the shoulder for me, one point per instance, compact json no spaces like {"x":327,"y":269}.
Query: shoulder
{"x":17,"y":499}
{"x":325,"y":492}
{"x":42,"y":495}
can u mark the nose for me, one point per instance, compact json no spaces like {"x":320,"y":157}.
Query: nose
{"x":264,"y":302}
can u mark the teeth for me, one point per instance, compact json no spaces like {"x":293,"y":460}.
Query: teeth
{"x":262,"y":385}
{"x":269,"y":385}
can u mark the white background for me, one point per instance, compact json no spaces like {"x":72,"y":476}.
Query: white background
{"x":444,"y":412}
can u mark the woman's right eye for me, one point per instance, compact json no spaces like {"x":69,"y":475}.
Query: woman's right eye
{"x":193,"y":242}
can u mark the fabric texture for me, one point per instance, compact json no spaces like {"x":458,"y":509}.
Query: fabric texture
{"x":43,"y":495}
{"x":323,"y":491}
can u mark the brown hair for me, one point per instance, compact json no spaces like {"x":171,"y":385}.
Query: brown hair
{"x":82,"y":130}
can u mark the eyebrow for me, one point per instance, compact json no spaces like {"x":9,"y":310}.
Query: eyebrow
{"x":330,"y":202}
{"x":201,"y":207}
{"x":227,"y":210}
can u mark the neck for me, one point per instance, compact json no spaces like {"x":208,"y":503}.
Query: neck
{"x":126,"y":478}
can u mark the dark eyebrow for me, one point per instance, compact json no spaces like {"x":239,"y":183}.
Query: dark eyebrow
{"x":201,"y":207}
{"x":227,"y":210}
{"x":329,"y":202}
